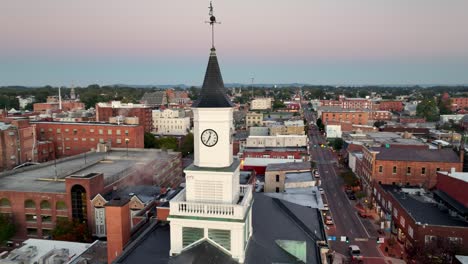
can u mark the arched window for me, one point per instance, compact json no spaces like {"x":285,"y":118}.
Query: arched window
{"x":45,"y":204}
{"x":79,"y":203}
{"x":29,"y":204}
{"x":61,"y":205}
{"x":4,"y":202}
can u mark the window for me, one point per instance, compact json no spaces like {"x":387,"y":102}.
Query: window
{"x":402,"y":221}
{"x":423,"y":170}
{"x":91,"y":139}
{"x":67,"y":148}
{"x":456,"y":240}
{"x":61,"y":205}
{"x":46,"y":218}
{"x":380,"y":169}
{"x":277,"y":178}
{"x":221,"y":237}
{"x":31,"y":231}
{"x":83,"y":139}
{"x":75,"y":139}
{"x":91,"y":130}
{"x":408,"y":170}
{"x":437,"y":169}
{"x":4,"y":202}
{"x":31,"y":218}
{"x":101,"y":132}
{"x":50,"y":129}
{"x":45,"y":205}
{"x":429,"y":239}
{"x":29,"y":204}
{"x":101,"y":140}
{"x":191,"y":235}
{"x":118,"y":141}
{"x":75,"y":131}
{"x":109,"y":132}
{"x":118,"y":132}
{"x":277,"y":189}
{"x":126,"y":132}
{"x":59,"y":131}
{"x":394,"y":169}
{"x":395,"y":213}
{"x":61,"y":218}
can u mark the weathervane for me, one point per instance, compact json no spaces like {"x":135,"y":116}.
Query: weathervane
{"x":212,"y":23}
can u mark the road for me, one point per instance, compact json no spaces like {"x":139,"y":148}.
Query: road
{"x":344,"y":214}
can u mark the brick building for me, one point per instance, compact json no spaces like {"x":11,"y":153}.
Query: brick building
{"x":37,"y":196}
{"x":356,"y":103}
{"x":418,"y":220}
{"x":407,"y":166}
{"x":353,"y":116}
{"x":276,"y":153}
{"x":277,"y":176}
{"x":393,"y":106}
{"x":459,"y":103}
{"x":17,"y":141}
{"x":105,"y":111}
{"x":53,"y":103}
{"x":380,"y":115}
{"x":452,"y":190}
{"x":74,"y":138}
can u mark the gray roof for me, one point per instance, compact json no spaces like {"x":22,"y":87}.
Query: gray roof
{"x":146,"y":193}
{"x":299,"y":166}
{"x":154,"y":98}
{"x":422,"y":209}
{"x":289,"y":222}
{"x":213,"y":93}
{"x":426,"y":155}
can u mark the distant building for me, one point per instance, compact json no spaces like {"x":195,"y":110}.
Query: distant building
{"x":17,"y":144}
{"x":154,"y":99}
{"x":261,"y":104}
{"x":74,"y":138}
{"x":392,"y":106}
{"x":105,"y":111}
{"x":253,"y":119}
{"x":277,"y":141}
{"x":171,"y":122}
{"x":279,"y":176}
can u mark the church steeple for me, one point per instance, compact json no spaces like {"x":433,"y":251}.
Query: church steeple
{"x":213,"y":93}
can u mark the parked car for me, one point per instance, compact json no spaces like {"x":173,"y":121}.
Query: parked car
{"x":321,"y":190}
{"x":354,"y":252}
{"x":363,"y":214}
{"x":328,"y":220}
{"x":316,"y":174}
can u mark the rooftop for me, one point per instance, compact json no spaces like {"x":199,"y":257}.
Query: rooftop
{"x":422,"y":207}
{"x":462,"y":176}
{"x":423,"y":155}
{"x":275,"y":149}
{"x":289,"y":166}
{"x":263,"y":162}
{"x":305,"y":176}
{"x":114,"y":165}
{"x":309,"y":196}
{"x":298,"y":223}
{"x":83,"y":123}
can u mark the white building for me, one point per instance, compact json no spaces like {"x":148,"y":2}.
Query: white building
{"x":253,"y":119}
{"x":171,"y":122}
{"x":333,"y":131}
{"x":261,"y":104}
{"x":213,"y":207}
{"x":277,"y":141}
{"x":454,"y":118}
{"x":23,"y":102}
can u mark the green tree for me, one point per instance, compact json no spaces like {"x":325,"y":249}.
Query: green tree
{"x":187,"y":145}
{"x":427,"y":108}
{"x":150,"y":141}
{"x":445,"y":106}
{"x":71,"y":231}
{"x":7,"y":228}
{"x":277,"y":104}
{"x":320,"y":124}
{"x":168,"y":143}
{"x":349,"y":178}
{"x":338,"y":143}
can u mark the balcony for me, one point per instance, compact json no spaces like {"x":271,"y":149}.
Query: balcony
{"x":179,"y":206}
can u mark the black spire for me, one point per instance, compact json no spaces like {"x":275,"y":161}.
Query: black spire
{"x":213,"y":93}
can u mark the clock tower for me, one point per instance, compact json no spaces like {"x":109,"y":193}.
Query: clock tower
{"x":213,"y":207}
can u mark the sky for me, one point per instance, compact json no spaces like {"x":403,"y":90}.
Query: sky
{"x":337,"y":42}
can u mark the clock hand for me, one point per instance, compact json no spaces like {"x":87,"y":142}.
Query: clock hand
{"x":208,"y":140}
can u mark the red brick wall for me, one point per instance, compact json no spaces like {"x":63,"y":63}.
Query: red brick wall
{"x":428,"y":180}
{"x":16,"y":144}
{"x":396,"y":106}
{"x":273,"y":154}
{"x":144,"y":115}
{"x":118,"y":230}
{"x":456,"y":188}
{"x":360,"y":118}
{"x":459,"y":103}
{"x":66,"y":106}
{"x":69,"y":143}
{"x":380,"y":115}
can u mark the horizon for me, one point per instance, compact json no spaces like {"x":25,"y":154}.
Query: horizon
{"x":325,"y":43}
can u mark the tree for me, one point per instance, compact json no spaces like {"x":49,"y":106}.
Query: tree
{"x":187,"y":145}
{"x":445,"y":106}
{"x":149,"y":140}
{"x":438,"y":251}
{"x":320,"y":124}
{"x":338,"y":143}
{"x":428,"y":109}
{"x":7,"y":228}
{"x":167,"y":143}
{"x":349,"y":178}
{"x":379,"y":123}
{"x":278,"y":105}
{"x":71,"y":231}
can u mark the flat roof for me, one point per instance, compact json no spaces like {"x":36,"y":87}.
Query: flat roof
{"x":462,"y":176}
{"x":309,"y":196}
{"x":263,"y":162}
{"x":277,"y":149}
{"x":305,"y":176}
{"x":298,"y":166}
{"x":40,"y":178}
{"x":422,"y":208}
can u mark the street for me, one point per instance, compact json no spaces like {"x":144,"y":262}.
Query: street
{"x":344,"y":214}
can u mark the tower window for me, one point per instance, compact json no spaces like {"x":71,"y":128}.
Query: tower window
{"x":277,"y":178}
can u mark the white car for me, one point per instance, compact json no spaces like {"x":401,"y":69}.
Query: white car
{"x":355,"y":252}
{"x":321,"y":190}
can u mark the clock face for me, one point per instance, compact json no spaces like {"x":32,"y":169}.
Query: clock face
{"x":209,"y":137}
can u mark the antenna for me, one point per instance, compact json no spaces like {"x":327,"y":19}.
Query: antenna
{"x":212,"y":22}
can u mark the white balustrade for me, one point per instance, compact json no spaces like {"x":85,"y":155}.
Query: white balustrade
{"x":178,"y":206}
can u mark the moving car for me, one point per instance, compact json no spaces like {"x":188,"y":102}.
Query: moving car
{"x":354,"y":252}
{"x":321,"y":190}
{"x":316,"y":174}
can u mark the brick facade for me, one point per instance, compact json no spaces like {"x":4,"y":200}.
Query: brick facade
{"x":145,"y":117}
{"x":74,"y":138}
{"x":393,"y":106}
{"x":355,"y":117}
{"x":456,"y":188}
{"x":16,"y":144}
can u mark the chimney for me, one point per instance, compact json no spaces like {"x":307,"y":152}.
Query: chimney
{"x":462,"y":155}
{"x":117,"y":226}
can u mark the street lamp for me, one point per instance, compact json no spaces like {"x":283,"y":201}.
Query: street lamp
{"x":126,"y":142}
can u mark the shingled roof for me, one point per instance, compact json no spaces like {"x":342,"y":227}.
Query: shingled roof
{"x":213,"y":93}
{"x":427,"y":155}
